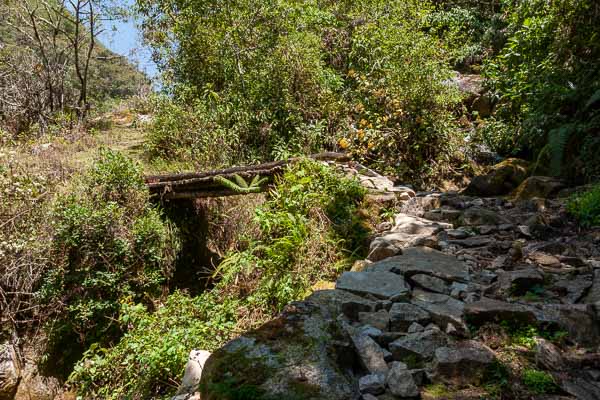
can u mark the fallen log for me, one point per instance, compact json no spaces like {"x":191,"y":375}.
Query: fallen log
{"x":210,"y":183}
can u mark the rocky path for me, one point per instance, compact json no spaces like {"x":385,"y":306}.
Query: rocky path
{"x":462,"y":297}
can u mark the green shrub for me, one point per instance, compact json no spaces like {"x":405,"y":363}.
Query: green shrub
{"x":289,"y":78}
{"x":109,"y":243}
{"x":310,"y":229}
{"x":547,"y":82}
{"x":539,"y":382}
{"x":148,"y":359}
{"x":586,"y":207}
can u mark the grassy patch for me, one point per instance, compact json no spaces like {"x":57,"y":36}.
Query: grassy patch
{"x":539,"y":382}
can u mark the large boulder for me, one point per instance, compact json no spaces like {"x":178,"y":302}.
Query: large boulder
{"x":500,"y":180}
{"x":538,"y":186}
{"x":295,"y":355}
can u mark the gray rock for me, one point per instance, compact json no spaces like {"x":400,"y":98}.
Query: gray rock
{"x":368,"y":396}
{"x":520,"y":281}
{"x":548,"y":356}
{"x":573,"y":289}
{"x":475,"y":241}
{"x":379,"y":319}
{"x":382,"y":285}
{"x":580,"y":388}
{"x":193,"y":371}
{"x":421,"y":345}
{"x":423,"y":260}
{"x":403,"y":315}
{"x":475,"y":216}
{"x":371,"y":355}
{"x":457,"y":234}
{"x":299,"y":345}
{"x":372,"y":384}
{"x":415,"y":327}
{"x":340,"y":301}
{"x":464,"y":363}
{"x":431,"y":283}
{"x":443,"y":309}
{"x":579,"y":320}
{"x":457,"y":289}
{"x":371,"y":331}
{"x":381,"y":248}
{"x":401,"y":382}
{"x":489,"y":310}
{"x":593,"y":295}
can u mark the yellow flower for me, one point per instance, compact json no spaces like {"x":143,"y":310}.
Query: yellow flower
{"x":370,"y":145}
{"x":351,"y":73}
{"x":343,"y":143}
{"x":386,"y":118}
{"x":360,"y":133}
{"x":363,"y":122}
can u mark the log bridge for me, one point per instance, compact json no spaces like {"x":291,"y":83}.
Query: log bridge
{"x":185,"y":186}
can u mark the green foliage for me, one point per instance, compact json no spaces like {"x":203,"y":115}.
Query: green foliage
{"x":547,"y":82}
{"x":109,"y":243}
{"x":308,"y":230}
{"x":240,"y":185}
{"x":309,"y":225}
{"x":539,"y":382}
{"x":289,"y":78}
{"x":151,"y":354}
{"x":586,"y":207}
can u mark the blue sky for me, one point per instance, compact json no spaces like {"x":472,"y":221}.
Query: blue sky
{"x":124,"y":38}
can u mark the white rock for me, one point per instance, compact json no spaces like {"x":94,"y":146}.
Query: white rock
{"x":193,"y":372}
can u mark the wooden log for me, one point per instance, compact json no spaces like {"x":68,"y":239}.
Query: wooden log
{"x":203,"y":184}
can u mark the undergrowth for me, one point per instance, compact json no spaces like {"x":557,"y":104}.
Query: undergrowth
{"x":586,"y":207}
{"x":310,"y":229}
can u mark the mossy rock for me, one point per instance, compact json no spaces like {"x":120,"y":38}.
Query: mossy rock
{"x":500,"y":180}
{"x":290,"y":357}
{"x":538,"y":186}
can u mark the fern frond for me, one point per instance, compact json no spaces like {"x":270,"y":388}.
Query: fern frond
{"x":255,"y":187}
{"x":240,"y":181}
{"x":557,"y":143}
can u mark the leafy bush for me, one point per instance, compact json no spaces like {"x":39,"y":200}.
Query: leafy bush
{"x":148,"y":360}
{"x":309,"y":230}
{"x":109,"y":243}
{"x":547,"y":82}
{"x":289,"y":78}
{"x":586,"y":207}
{"x":539,"y":382}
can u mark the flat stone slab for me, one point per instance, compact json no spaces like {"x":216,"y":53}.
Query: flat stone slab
{"x":463,"y":363}
{"x":443,"y":309}
{"x":381,"y":284}
{"x":421,"y":345}
{"x":424,"y":260}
